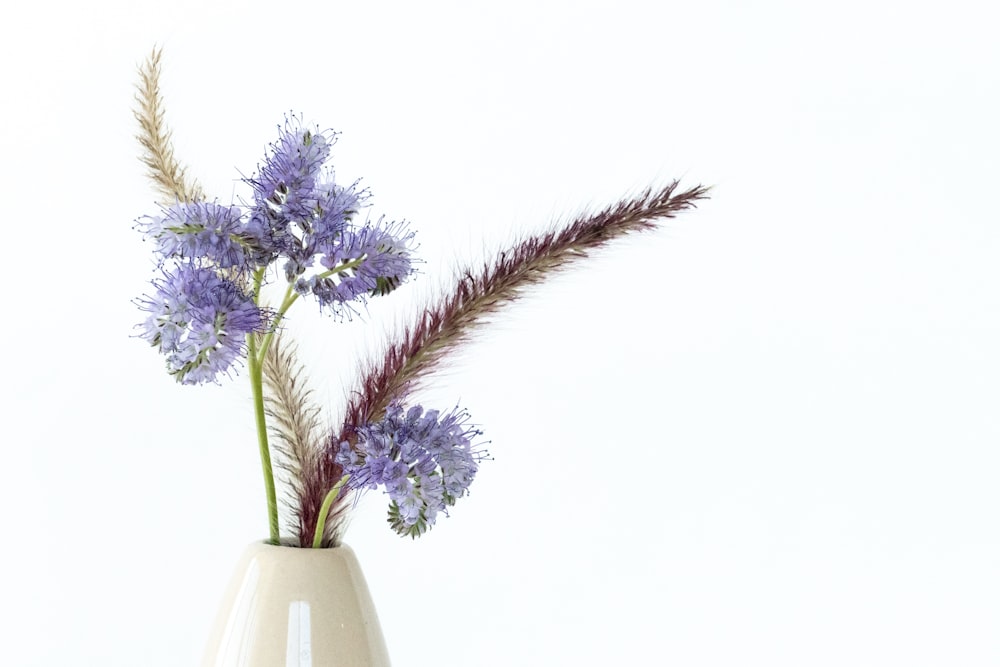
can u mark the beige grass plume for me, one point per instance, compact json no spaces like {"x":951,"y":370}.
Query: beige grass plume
{"x":163,"y":168}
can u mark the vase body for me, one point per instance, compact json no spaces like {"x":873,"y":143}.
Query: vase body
{"x":291,"y":607}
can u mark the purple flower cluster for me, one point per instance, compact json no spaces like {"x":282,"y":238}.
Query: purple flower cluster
{"x":200,"y":321}
{"x":200,"y":231}
{"x":301,"y":214}
{"x":386,"y":249}
{"x":424,"y":461}
{"x":206,"y":305}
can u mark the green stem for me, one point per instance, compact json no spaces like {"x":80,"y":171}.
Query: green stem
{"x":258,"y":278}
{"x":290,"y":298}
{"x":257,"y":387}
{"x":325,"y":510}
{"x":258,"y":347}
{"x":286,"y":303}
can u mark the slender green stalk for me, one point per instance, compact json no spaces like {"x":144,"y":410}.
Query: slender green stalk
{"x":258,"y":278}
{"x":257,"y":387}
{"x":258,"y":346}
{"x":286,"y":303}
{"x":290,"y":298}
{"x":325,"y":510}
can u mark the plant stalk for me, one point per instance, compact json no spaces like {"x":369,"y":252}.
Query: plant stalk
{"x":257,"y":349}
{"x":290,"y":298}
{"x":256,"y":373}
{"x":325,"y":510}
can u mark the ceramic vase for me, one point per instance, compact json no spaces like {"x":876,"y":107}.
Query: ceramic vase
{"x":291,"y":607}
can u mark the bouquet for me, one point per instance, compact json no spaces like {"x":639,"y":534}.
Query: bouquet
{"x":303,"y":231}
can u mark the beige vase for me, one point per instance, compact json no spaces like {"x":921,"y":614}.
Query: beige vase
{"x":290,"y":607}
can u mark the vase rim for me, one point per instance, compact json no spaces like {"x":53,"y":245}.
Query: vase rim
{"x":291,"y":543}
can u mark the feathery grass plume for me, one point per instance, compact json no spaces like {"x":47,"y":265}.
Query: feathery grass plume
{"x":166,"y":173}
{"x":295,"y":427}
{"x":419,"y":348}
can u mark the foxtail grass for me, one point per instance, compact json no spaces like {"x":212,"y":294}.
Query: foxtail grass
{"x":168,"y":176}
{"x":419,"y":348}
{"x":294,"y":423}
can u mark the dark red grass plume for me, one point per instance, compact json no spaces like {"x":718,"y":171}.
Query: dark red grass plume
{"x":442,"y":326}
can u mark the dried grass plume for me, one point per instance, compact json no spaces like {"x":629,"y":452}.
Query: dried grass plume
{"x":480,"y":292}
{"x":163,"y":168}
{"x":296,"y":436}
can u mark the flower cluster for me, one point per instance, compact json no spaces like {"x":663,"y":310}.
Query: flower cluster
{"x":200,"y":321}
{"x":424,"y":461}
{"x":208,"y":301}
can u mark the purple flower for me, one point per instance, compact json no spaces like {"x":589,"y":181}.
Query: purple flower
{"x":301,"y":214}
{"x":380,"y":258}
{"x":425,"y":462}
{"x":200,"y":322}
{"x":200,"y":231}
{"x":284,"y":188}
{"x":307,"y":238}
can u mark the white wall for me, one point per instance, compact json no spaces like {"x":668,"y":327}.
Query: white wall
{"x":766,"y":435}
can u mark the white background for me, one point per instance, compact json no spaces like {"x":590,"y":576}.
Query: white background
{"x":764,"y":435}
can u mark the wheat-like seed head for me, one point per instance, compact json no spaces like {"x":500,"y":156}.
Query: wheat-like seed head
{"x":169,"y":178}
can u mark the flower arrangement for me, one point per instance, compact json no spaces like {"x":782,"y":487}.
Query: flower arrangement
{"x":302,"y":229}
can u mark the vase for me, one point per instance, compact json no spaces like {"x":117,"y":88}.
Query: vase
{"x":292,"y":607}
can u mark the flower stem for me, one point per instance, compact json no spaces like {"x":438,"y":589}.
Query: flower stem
{"x":257,"y":387}
{"x":290,"y":298}
{"x":325,"y":510}
{"x":286,"y":303}
{"x":258,"y":346}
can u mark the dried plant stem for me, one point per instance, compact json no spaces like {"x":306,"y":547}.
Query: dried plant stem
{"x":165,"y":171}
{"x":448,"y":323}
{"x":442,"y":326}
